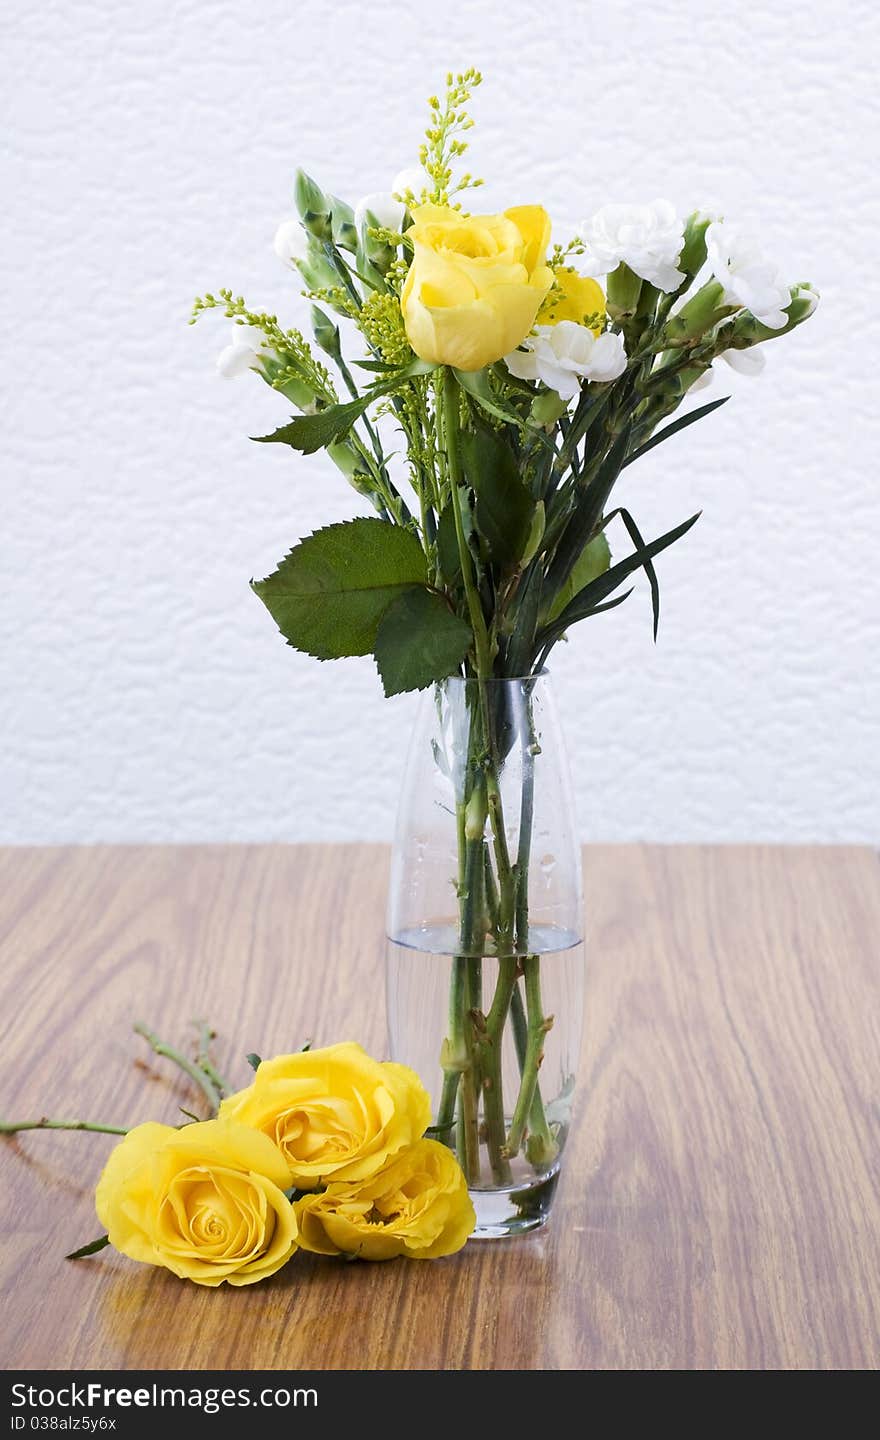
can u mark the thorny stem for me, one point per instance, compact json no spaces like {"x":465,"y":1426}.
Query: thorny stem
{"x":11,"y":1127}
{"x":204,"y":1061}
{"x":189,"y":1067}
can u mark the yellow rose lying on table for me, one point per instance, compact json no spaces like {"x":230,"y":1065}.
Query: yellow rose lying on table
{"x":418,"y":1205}
{"x":334,"y":1113}
{"x":475,"y":284}
{"x":206,"y":1202}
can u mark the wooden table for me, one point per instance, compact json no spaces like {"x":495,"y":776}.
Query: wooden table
{"x":720,"y":1202}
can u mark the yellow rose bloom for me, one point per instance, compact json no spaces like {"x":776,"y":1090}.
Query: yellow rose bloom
{"x":573,"y":297}
{"x":475,"y":284}
{"x":206,"y":1202}
{"x":335,"y":1114}
{"x":417,"y":1206}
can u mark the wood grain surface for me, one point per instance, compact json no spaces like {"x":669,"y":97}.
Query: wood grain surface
{"x":719,"y":1206}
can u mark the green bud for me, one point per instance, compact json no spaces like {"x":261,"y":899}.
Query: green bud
{"x":316,"y":269}
{"x":375,"y":251}
{"x":313,"y":206}
{"x":342,"y":224}
{"x":623,"y":289}
{"x":297,"y":391}
{"x":326,"y":333}
{"x":547,"y":408}
{"x":347,"y":460}
{"x":746,"y":330}
{"x":700,"y":313}
{"x":693,"y":252}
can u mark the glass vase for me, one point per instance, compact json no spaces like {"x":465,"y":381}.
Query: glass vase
{"x":485,"y":941}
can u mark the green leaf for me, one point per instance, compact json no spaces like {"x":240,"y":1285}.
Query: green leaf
{"x":647,"y":564}
{"x":330,"y":592}
{"x":91,"y":1249}
{"x":504,"y":505}
{"x":253,"y":1060}
{"x":535,"y":535}
{"x":309,"y":433}
{"x":419,"y":641}
{"x":447,"y":545}
{"x":589,"y":508}
{"x":476,"y":384}
{"x":674,"y":428}
{"x":587,"y":600}
{"x":593,"y":561}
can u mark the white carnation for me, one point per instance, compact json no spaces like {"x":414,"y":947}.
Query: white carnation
{"x":291,"y":242}
{"x":748,"y":279}
{"x":385,"y":210}
{"x":745,"y":362}
{"x":565,"y":354}
{"x":647,"y":238}
{"x":242,"y":352}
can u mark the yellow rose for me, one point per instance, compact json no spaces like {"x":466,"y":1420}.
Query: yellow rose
{"x":206,"y":1201}
{"x":573,"y":297}
{"x":475,"y":284}
{"x":417,"y":1206}
{"x":335,"y":1114}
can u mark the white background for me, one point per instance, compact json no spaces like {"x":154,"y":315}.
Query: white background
{"x":149,"y":152}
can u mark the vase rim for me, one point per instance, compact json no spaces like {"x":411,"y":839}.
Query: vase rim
{"x":542,"y":674}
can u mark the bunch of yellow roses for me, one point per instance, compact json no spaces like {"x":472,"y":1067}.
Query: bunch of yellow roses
{"x":324,"y":1151}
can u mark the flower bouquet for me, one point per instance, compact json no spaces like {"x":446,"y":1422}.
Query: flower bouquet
{"x":499,"y":392}
{"x":482,"y":386}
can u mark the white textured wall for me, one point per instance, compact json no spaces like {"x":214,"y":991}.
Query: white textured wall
{"x":149,"y":151}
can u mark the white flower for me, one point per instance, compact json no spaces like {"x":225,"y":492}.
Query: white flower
{"x":748,"y":279}
{"x":647,"y":238}
{"x":745,"y":362}
{"x":291,"y":242}
{"x":562,"y":355}
{"x":242,"y":353}
{"x":385,"y":210}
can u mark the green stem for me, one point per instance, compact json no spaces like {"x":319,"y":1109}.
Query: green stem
{"x":542,"y":1147}
{"x":189,"y":1067}
{"x":11,"y":1127}
{"x":204,"y":1061}
{"x":454,"y":1058}
{"x":475,"y":609}
{"x":493,"y":1091}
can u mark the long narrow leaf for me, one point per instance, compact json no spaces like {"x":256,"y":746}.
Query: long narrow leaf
{"x":673,"y":429}
{"x":91,"y":1249}
{"x":586,"y":600}
{"x":589,"y":506}
{"x":610,"y":604}
{"x":647,"y":564}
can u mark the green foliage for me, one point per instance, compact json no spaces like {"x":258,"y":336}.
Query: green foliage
{"x":330,"y":592}
{"x":475,"y":383}
{"x":532,"y":475}
{"x":419,"y":640}
{"x":292,"y":357}
{"x":589,"y":600}
{"x":593,"y":561}
{"x":91,"y":1249}
{"x":504,"y":508}
{"x":669,"y":430}
{"x":309,"y":433}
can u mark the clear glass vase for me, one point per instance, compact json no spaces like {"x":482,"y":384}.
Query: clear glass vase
{"x":485,"y":941}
